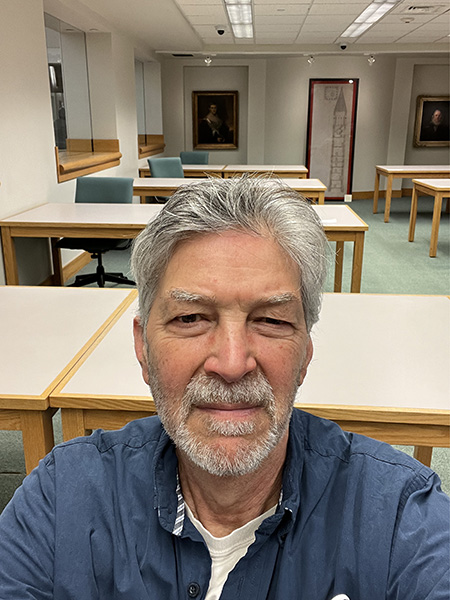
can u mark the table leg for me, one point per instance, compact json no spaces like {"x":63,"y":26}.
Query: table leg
{"x":376,"y":192}
{"x":387,"y":207}
{"x":37,"y":435}
{"x":413,"y":215}
{"x":339,"y":264}
{"x":435,"y":224}
{"x":321,"y":197}
{"x":72,"y":420}
{"x":9,"y":257}
{"x":58,"y":274}
{"x":424,"y":454}
{"x":358,"y":250}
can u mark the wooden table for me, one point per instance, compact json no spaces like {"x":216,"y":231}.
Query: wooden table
{"x":371,"y":372}
{"x":166,"y":186}
{"x":55,"y":220}
{"x":125,"y":221}
{"x":160,"y":186}
{"x":380,"y":368}
{"x":402,"y":172}
{"x":282,"y":171}
{"x":45,"y":331}
{"x":342,"y":224}
{"x":438,"y":189}
{"x":192,"y":171}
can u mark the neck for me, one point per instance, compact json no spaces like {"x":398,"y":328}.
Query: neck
{"x":223,"y":504}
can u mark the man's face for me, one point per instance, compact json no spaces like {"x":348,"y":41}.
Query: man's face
{"x":225,"y":349}
{"x":436,"y":117}
{"x":213,"y":109}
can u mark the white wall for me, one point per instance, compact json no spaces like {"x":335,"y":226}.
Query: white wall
{"x":277,"y":93}
{"x":228,"y":79}
{"x":27,"y":160}
{"x":428,"y":80}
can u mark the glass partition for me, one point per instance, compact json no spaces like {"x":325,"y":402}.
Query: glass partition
{"x":69,"y":87}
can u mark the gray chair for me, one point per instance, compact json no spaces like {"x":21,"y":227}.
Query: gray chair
{"x":196,"y":157}
{"x":100,"y":190}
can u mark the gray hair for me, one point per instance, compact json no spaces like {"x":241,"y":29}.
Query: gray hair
{"x":258,"y":205}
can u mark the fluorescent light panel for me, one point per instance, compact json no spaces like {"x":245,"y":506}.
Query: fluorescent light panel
{"x":369,"y":16}
{"x":240,"y":16}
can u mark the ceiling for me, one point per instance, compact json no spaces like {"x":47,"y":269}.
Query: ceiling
{"x":287,"y":27}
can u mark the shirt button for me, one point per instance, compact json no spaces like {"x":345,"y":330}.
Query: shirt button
{"x":193,"y":590}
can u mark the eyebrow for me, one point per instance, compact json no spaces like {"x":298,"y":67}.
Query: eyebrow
{"x":180,"y":295}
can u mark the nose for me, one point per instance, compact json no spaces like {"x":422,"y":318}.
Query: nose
{"x":230,"y":356}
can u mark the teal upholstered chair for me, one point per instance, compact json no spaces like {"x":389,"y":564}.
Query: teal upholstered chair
{"x":197,"y":157}
{"x":100,"y":190}
{"x":166,"y":167}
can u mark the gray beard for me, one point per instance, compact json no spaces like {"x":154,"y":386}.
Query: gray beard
{"x":253,"y":390}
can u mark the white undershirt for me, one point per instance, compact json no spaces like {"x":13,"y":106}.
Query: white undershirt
{"x":226,"y":551}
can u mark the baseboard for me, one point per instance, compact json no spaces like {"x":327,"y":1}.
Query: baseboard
{"x":382,"y":194}
{"x":71,"y":268}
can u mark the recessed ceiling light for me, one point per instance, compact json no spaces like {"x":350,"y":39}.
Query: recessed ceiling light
{"x":369,"y":16}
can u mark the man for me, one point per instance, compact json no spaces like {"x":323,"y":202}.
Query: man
{"x":228,"y":493}
{"x":436,"y":130}
{"x":212,"y":129}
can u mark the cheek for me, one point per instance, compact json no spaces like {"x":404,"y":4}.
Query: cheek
{"x":175,"y":365}
{"x":281,"y":364}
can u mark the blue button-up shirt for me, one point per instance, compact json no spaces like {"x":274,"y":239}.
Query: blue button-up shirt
{"x":100,"y":518}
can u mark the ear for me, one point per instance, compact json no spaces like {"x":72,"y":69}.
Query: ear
{"x":140,"y":347}
{"x":307,"y":360}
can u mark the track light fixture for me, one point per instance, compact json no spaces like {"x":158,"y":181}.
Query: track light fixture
{"x":371,"y":60}
{"x":311,"y":60}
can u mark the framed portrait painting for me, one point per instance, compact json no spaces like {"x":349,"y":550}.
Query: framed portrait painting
{"x":215,"y":120}
{"x":331,"y":134}
{"x":432,"y":121}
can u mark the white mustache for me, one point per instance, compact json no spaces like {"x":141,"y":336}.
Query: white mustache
{"x":254,"y":390}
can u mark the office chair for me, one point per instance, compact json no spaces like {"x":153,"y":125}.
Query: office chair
{"x":197,"y":157}
{"x":114,"y":190}
{"x":165,"y":167}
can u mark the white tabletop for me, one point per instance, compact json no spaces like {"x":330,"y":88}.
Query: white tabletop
{"x":165,"y":182}
{"x":265,"y":168}
{"x":175,"y":182}
{"x":208,"y":167}
{"x":43,"y":329}
{"x":380,"y":350}
{"x":312,"y":185}
{"x":370,"y":350}
{"x":439,"y":185}
{"x":86,"y":214}
{"x":338,"y":217}
{"x":141,"y":214}
{"x":415,"y":168}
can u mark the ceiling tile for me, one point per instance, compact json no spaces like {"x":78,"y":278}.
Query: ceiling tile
{"x":276,"y":10}
{"x":338,"y":9}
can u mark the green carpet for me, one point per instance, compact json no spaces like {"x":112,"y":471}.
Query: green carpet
{"x":391,"y":265}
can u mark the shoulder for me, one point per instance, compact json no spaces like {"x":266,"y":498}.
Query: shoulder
{"x":141,"y":435}
{"x":325,"y":441}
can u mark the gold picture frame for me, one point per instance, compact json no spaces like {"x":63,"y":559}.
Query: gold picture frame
{"x":432,"y":121}
{"x":215,"y":120}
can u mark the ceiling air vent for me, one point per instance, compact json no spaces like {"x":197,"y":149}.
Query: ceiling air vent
{"x":423,"y":10}
{"x":183,"y":55}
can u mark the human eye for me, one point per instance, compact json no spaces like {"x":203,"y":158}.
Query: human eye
{"x":188,"y":319}
{"x":273,"y":326}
